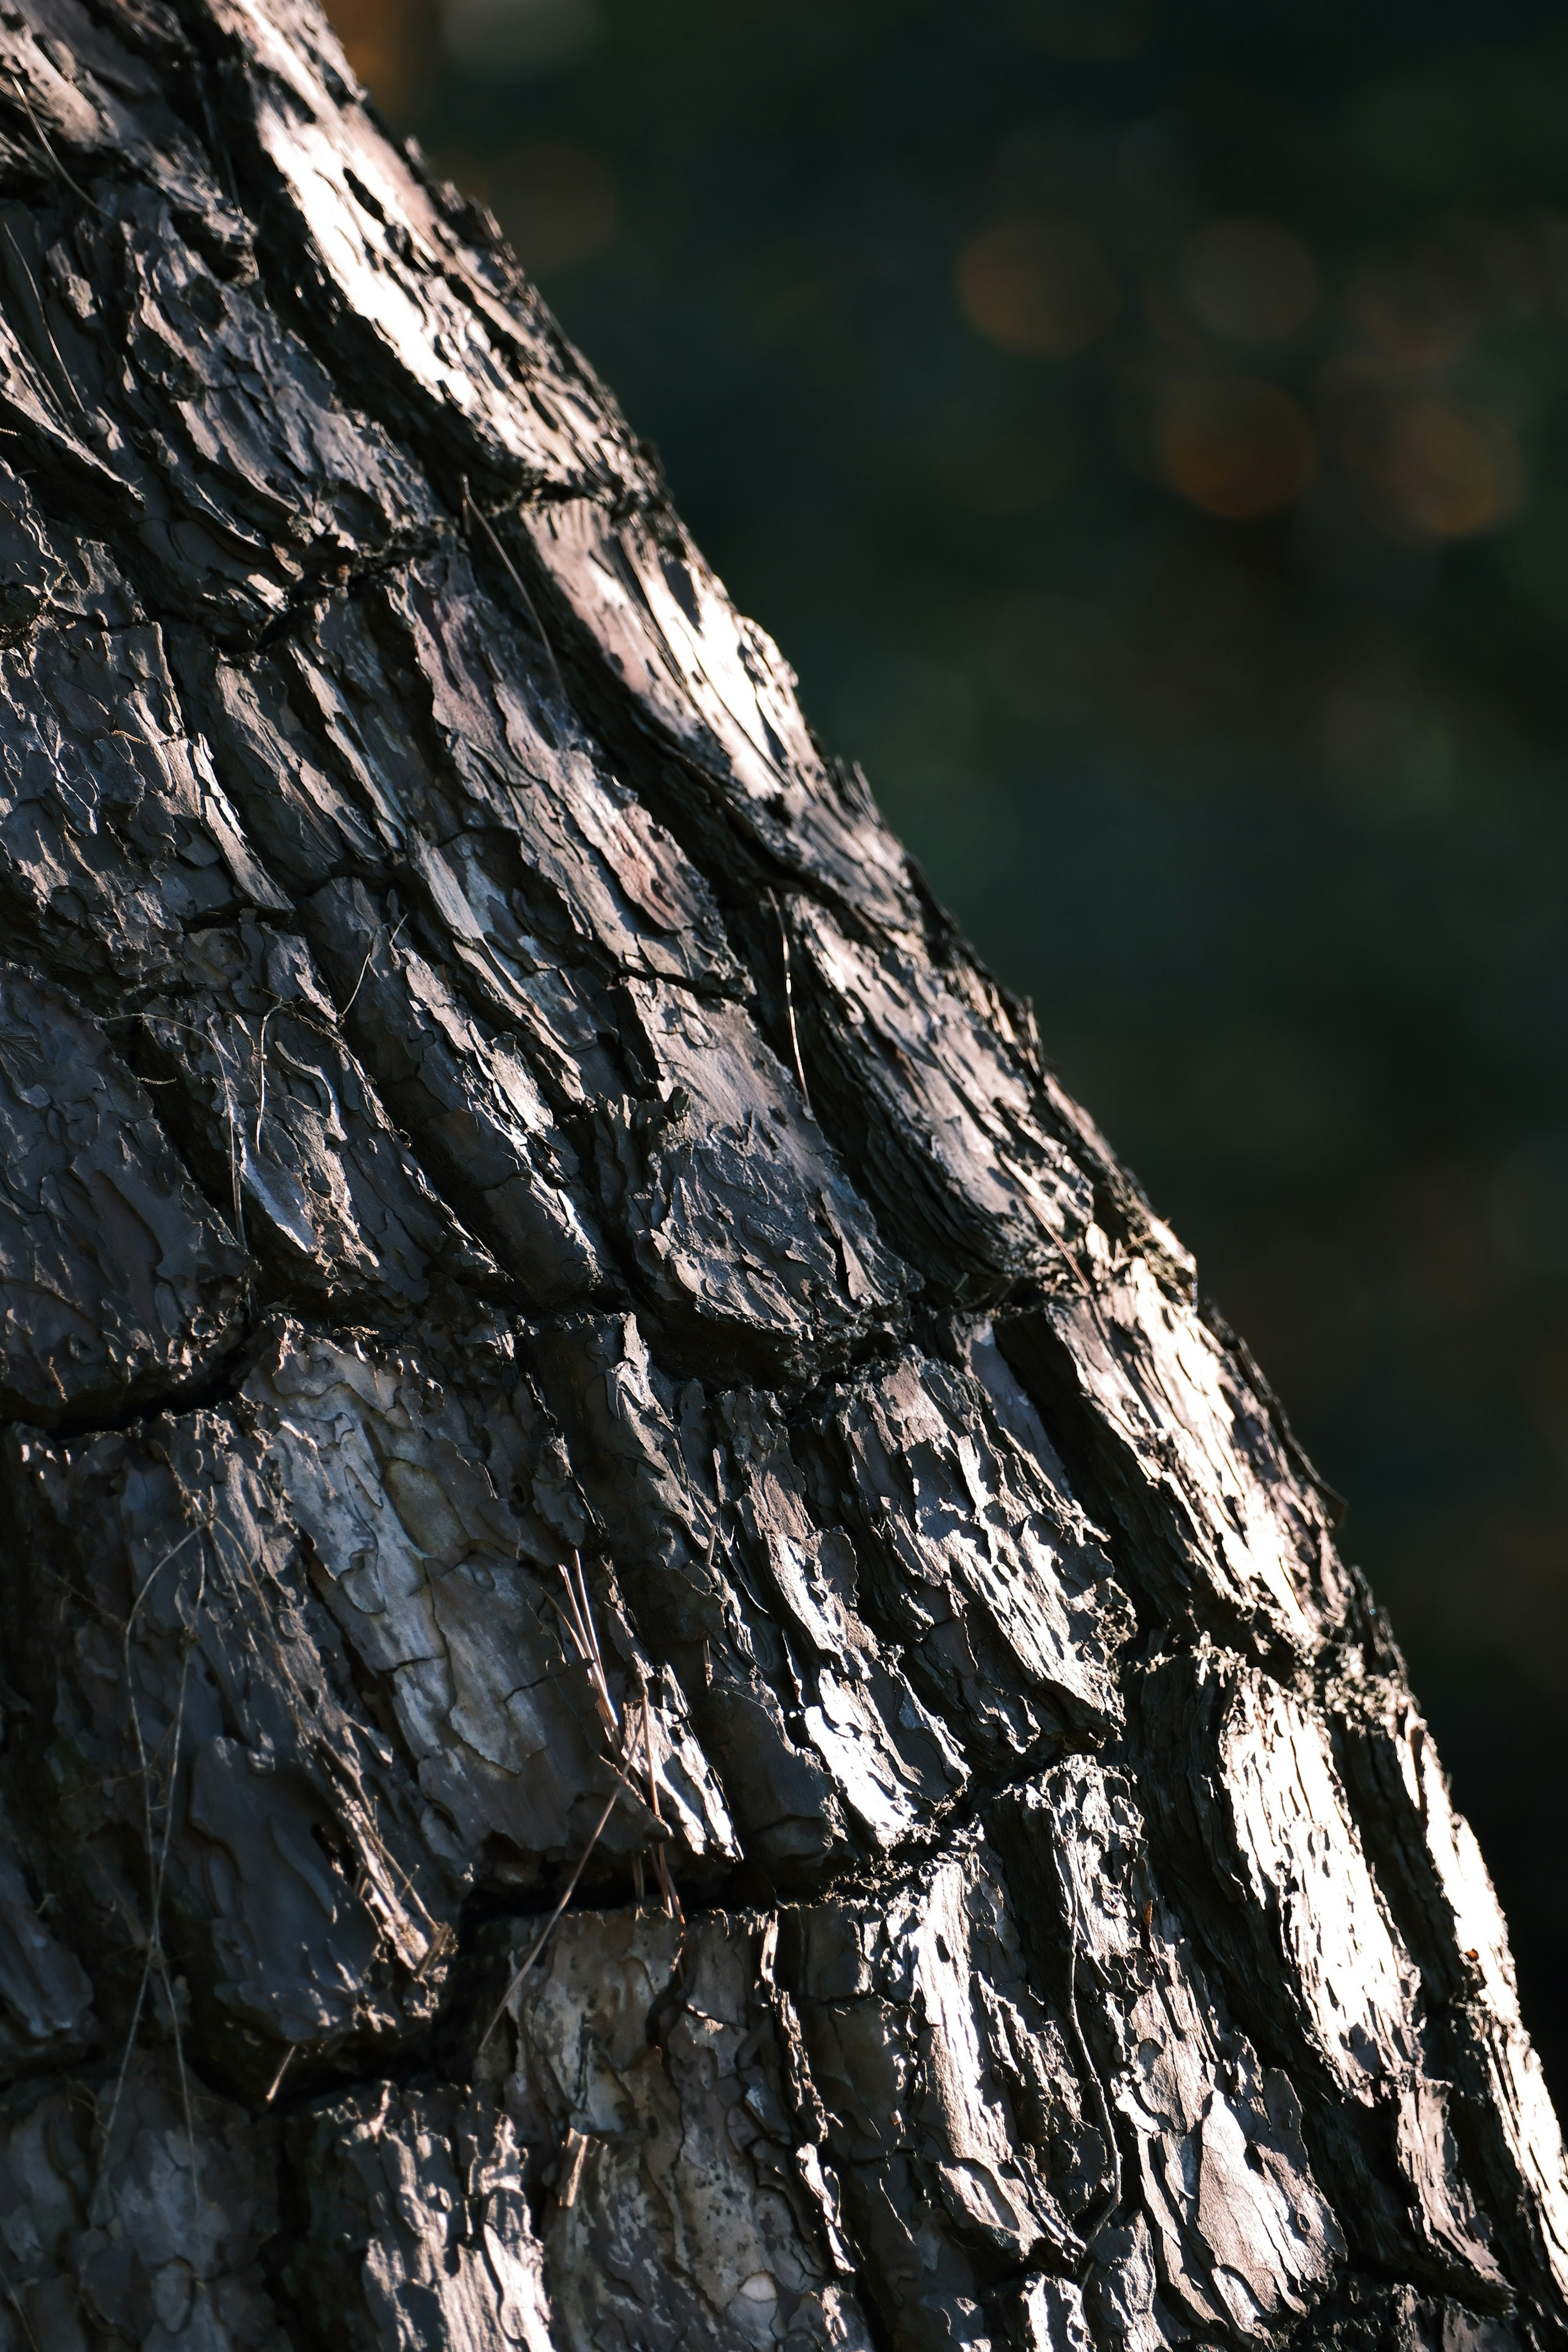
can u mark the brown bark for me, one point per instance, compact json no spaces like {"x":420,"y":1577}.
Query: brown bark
{"x":1044,"y":1922}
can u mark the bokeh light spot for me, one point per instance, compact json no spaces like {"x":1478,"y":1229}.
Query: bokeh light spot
{"x":1037,"y":287}
{"x":1236,"y":446}
{"x":1249,"y":280}
{"x":1452,"y":471}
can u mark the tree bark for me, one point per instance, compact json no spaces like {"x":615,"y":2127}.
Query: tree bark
{"x":481,"y":1089}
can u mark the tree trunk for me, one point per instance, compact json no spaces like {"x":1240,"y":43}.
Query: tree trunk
{"x":482,"y":1090}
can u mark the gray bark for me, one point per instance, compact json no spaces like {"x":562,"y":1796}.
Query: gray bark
{"x":413,"y":1172}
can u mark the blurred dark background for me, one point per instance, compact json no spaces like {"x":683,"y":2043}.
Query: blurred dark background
{"x":1146,"y":430}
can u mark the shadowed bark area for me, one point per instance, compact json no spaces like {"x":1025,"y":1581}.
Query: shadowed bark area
{"x":479,"y":1086}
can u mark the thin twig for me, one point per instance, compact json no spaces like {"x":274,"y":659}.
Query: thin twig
{"x":65,"y":377}
{"x":310,"y":1734}
{"x":470,"y":509}
{"x":666,"y":1884}
{"x":157,"y":1853}
{"x":235,"y":1147}
{"x":204,"y":1036}
{"x":585,"y":1634}
{"x":39,"y":136}
{"x":277,"y":2083}
{"x":574,"y":1616}
{"x":197,"y":2200}
{"x":608,"y":1704}
{"x":544,"y":1934}
{"x":648,"y":1751}
{"x":261,"y":1071}
{"x":364,"y":967}
{"x":789,"y":1003}
{"x":218,"y":140}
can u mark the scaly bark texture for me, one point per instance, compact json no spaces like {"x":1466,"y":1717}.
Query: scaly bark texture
{"x":480,"y":1085}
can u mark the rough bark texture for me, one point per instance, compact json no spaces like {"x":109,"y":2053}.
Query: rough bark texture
{"x":406,"y":1179}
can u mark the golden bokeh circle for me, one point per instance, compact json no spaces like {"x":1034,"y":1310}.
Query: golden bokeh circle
{"x":1238,"y":447}
{"x":1041,"y":288}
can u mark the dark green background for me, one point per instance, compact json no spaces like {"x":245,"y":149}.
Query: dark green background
{"x":1268,"y":817}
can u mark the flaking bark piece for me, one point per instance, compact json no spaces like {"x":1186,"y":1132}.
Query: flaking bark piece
{"x":104,"y":111}
{"x":643,"y":1451}
{"x":1215,"y":2182}
{"x":441,"y":336}
{"x":469,"y":1102}
{"x":118,"y":1282}
{"x":993,"y":1582}
{"x":897,"y":1765}
{"x":751,"y":1247}
{"x":597,"y":866}
{"x":54,"y":573}
{"x":187,"y":1697}
{"x":32,"y":567}
{"x":246,"y":476}
{"x":418,"y":2231}
{"x":737,"y":1223}
{"x":690,"y":2221}
{"x":945,"y":1112}
{"x":524,"y":841}
{"x":254,"y":478}
{"x":149,"y":2234}
{"x":302,"y":819}
{"x":941,"y":2096}
{"x":1282,"y":1890}
{"x":445,"y":1587}
{"x":283,"y":1122}
{"x":115,"y":833}
{"x":712,"y":686}
{"x":40,"y":426}
{"x":1430,"y":1869}
{"x":1185,"y":1459}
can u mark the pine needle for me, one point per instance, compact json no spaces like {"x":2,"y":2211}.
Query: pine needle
{"x":545,"y":1932}
{"x":516,"y":576}
{"x":789,"y":1003}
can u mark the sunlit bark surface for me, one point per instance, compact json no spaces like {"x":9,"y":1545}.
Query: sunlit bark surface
{"x":1019,"y":1903}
